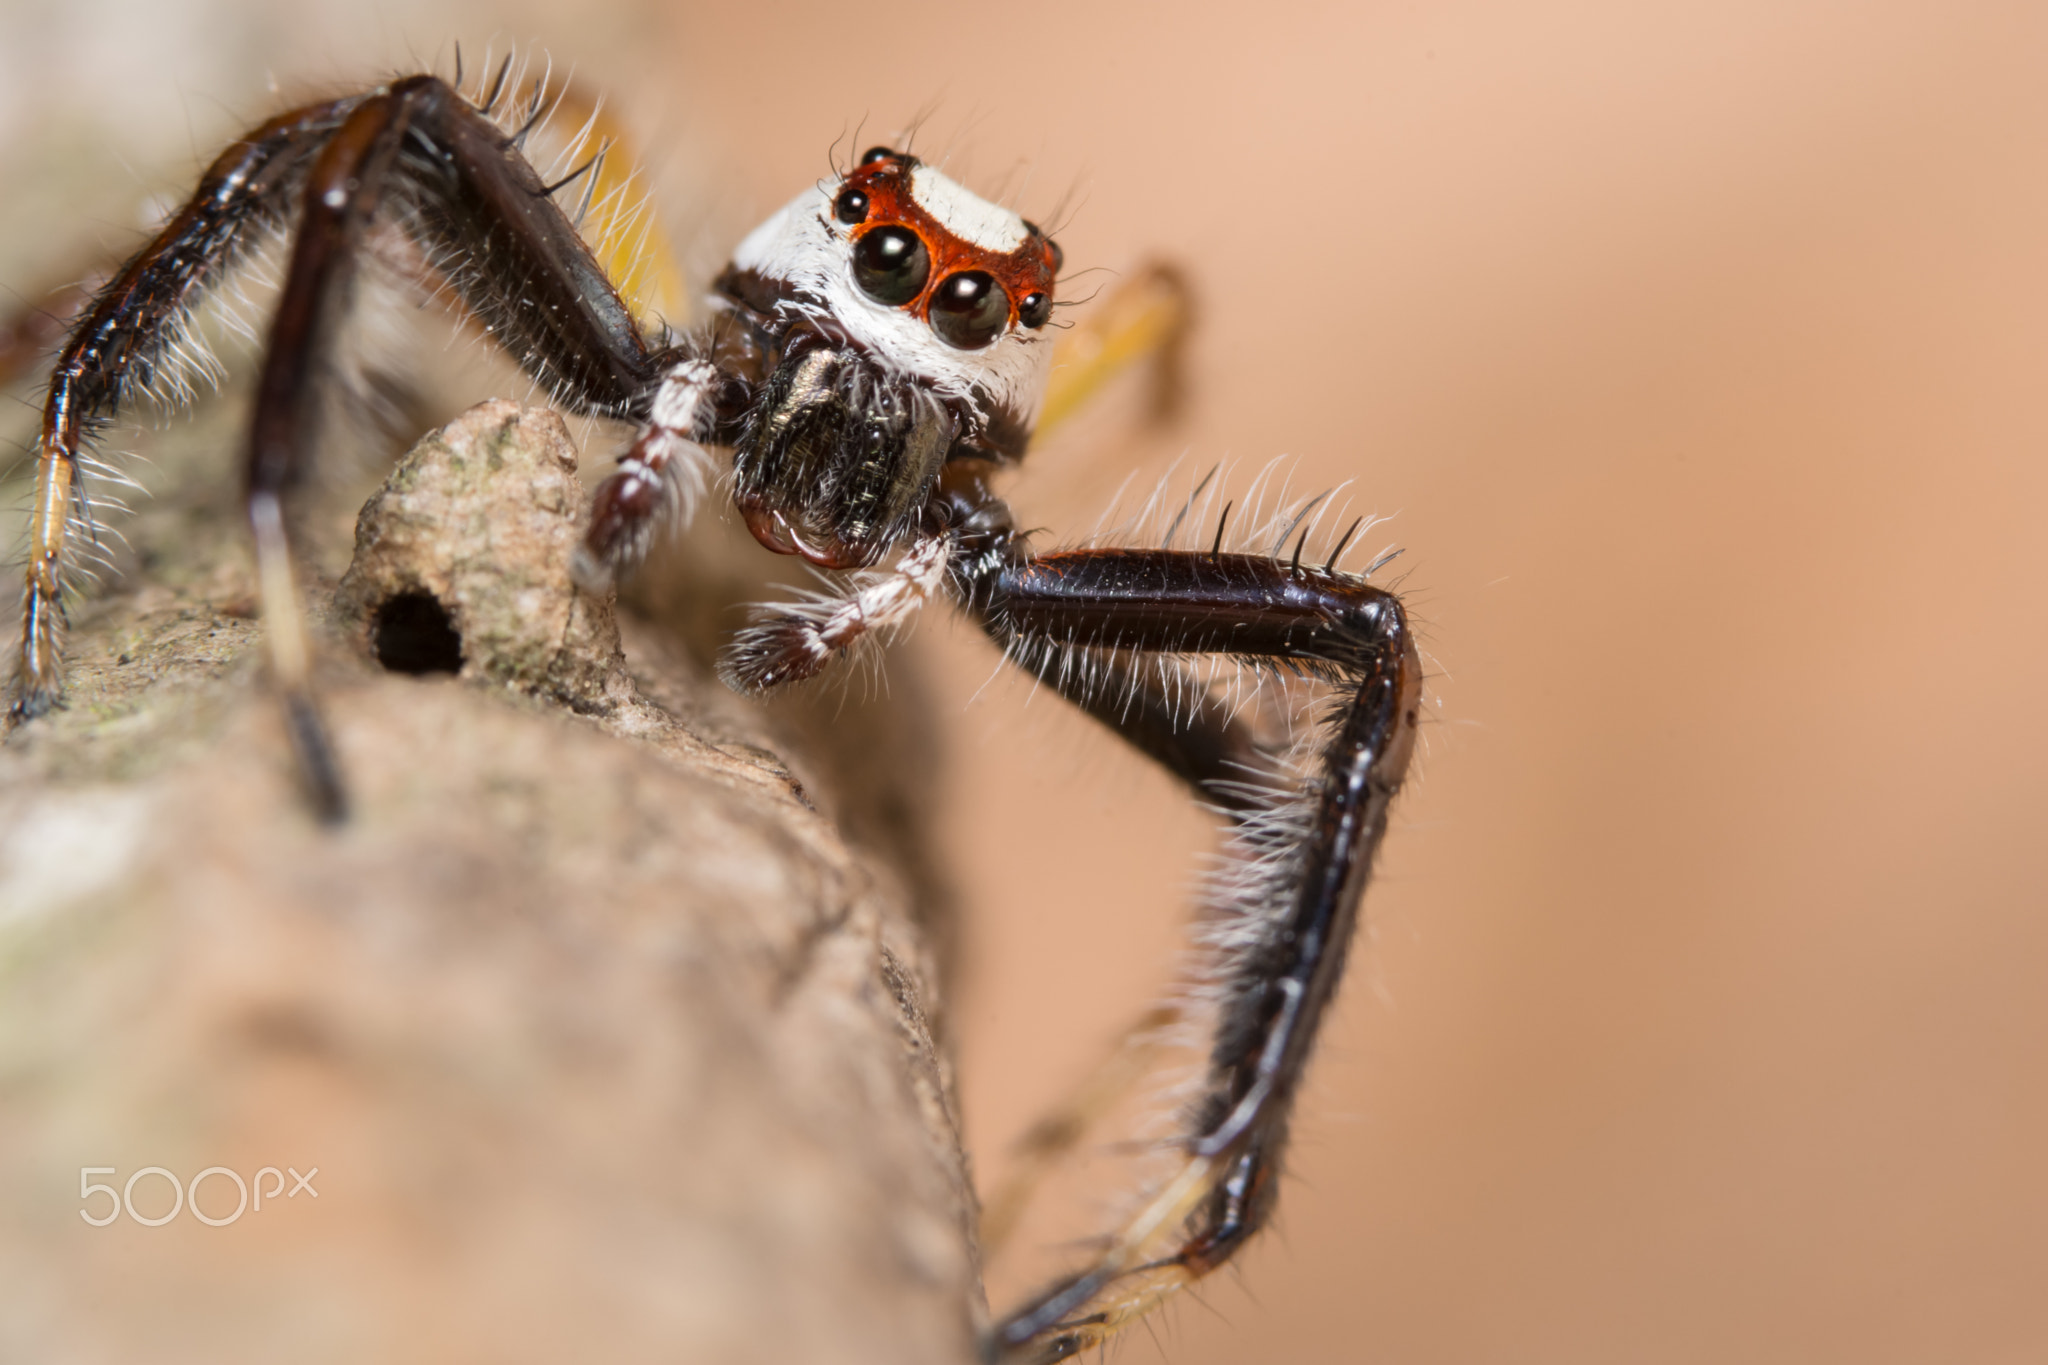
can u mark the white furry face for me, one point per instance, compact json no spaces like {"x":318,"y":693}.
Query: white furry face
{"x":925,"y":275}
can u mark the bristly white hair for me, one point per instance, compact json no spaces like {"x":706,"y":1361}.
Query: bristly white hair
{"x":801,"y":637}
{"x":180,"y":366}
{"x":1183,"y":512}
{"x":183,"y":362}
{"x":1276,"y":696}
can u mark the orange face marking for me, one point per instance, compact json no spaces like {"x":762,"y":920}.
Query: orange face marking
{"x":1023,"y":272}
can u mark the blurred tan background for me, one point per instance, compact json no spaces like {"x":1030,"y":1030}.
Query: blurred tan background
{"x":1699,"y":353}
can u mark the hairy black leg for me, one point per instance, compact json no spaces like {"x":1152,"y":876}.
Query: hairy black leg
{"x":342,"y":194}
{"x":123,"y":341}
{"x":459,"y":186}
{"x":523,"y":271}
{"x":514,"y":259}
{"x":1302,"y":859}
{"x":1190,"y":734}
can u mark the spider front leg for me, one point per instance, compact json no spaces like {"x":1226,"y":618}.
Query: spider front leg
{"x":416,"y":151}
{"x":1299,"y":853}
{"x":127,"y":341}
{"x":517,"y":264}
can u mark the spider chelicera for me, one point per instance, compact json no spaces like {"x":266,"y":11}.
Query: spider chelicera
{"x":874,"y":354}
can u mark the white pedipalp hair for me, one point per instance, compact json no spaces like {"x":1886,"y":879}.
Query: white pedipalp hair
{"x":853,"y":613}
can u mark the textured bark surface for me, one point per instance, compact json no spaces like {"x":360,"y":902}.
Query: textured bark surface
{"x":604,"y":1042}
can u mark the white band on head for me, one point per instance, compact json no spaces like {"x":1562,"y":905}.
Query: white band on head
{"x":966,"y":214}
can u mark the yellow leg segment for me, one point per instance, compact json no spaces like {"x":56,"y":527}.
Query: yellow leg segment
{"x":39,"y":671}
{"x":1146,"y":318}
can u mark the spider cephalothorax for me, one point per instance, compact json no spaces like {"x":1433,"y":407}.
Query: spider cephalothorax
{"x":874,"y":353}
{"x":878,"y":327}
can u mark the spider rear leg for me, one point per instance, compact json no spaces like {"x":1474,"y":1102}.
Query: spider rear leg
{"x":1300,"y":852}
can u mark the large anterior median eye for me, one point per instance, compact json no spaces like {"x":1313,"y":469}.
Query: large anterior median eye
{"x":970,"y":309}
{"x":891,"y":265}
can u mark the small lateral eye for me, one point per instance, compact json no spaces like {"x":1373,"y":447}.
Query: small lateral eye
{"x":851,"y":206}
{"x":890,"y":264}
{"x":1036,"y":309}
{"x":969,"y":309}
{"x":1059,"y":258}
{"x":874,"y":154}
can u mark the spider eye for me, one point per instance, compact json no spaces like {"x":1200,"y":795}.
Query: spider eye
{"x":851,"y":206}
{"x":1059,"y":258}
{"x":1036,"y":308}
{"x":874,"y":154}
{"x":969,"y":309}
{"x":891,"y":265}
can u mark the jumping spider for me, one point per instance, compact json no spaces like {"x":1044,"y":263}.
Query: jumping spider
{"x":875,"y":353}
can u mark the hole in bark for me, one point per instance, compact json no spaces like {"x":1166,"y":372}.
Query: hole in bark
{"x":415,"y":634}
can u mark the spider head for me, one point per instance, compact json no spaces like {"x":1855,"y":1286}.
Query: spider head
{"x":907,"y":320}
{"x":975,"y":274}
